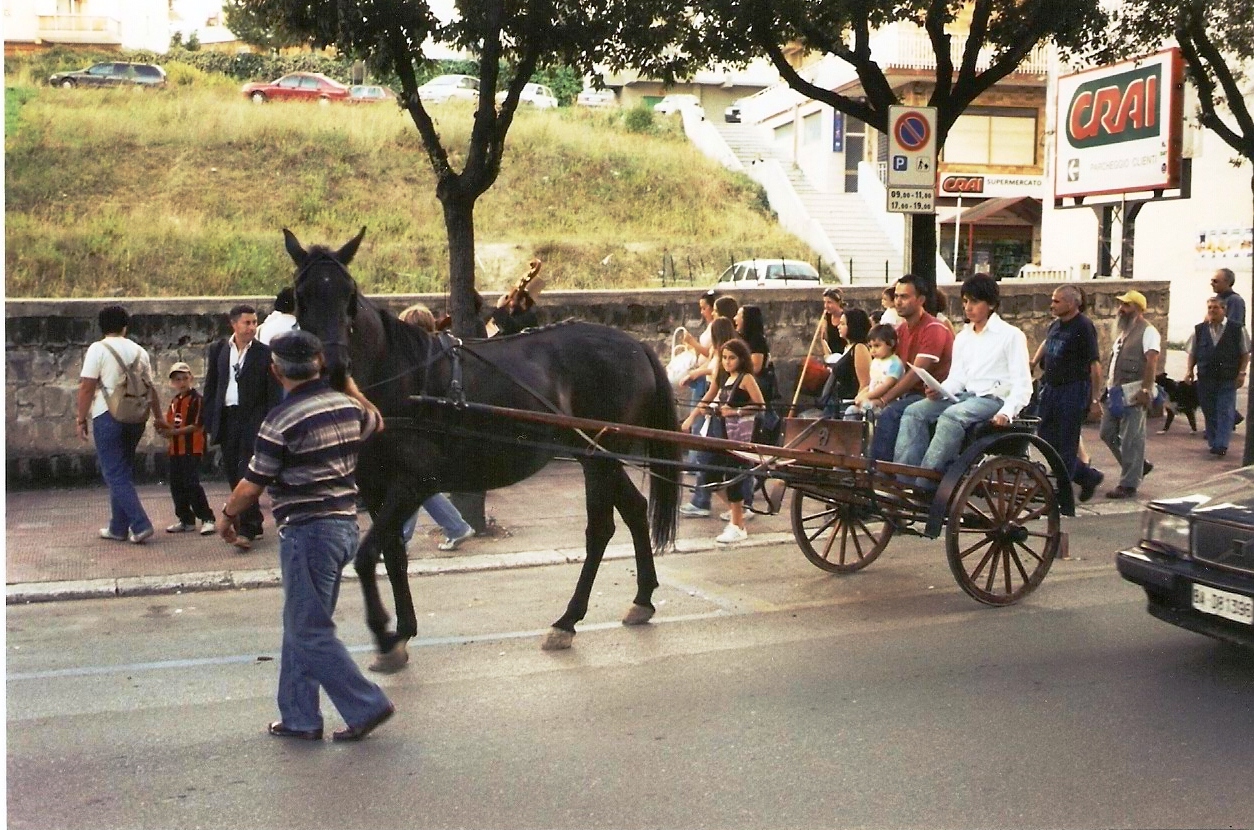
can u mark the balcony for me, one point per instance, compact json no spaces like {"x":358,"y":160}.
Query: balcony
{"x":77,"y":28}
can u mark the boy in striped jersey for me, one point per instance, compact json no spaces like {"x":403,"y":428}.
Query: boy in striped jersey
{"x":186,"y":432}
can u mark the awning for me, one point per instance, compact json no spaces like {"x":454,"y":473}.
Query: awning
{"x":1020,"y":211}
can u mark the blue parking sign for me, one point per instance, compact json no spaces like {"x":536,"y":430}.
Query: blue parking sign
{"x":899,"y":163}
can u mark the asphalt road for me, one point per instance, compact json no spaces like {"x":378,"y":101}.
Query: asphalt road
{"x":767,"y":694}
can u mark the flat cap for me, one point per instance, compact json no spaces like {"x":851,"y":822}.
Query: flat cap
{"x":296,"y":346}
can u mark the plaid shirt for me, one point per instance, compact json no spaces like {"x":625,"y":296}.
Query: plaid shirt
{"x":306,"y":453}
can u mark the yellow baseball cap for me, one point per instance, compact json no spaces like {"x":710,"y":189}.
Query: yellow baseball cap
{"x":1135,"y":298}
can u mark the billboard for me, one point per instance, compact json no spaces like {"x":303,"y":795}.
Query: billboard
{"x":1119,"y":127}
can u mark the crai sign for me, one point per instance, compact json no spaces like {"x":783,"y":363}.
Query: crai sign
{"x":1120,"y":127}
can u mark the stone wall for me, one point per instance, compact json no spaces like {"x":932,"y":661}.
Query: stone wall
{"x":45,"y":341}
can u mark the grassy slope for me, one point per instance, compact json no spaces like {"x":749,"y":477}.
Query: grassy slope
{"x":183,"y":192}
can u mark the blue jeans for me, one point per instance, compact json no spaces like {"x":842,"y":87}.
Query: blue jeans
{"x":884,"y":439}
{"x":951,"y":419}
{"x":1125,"y":436}
{"x":115,"y":449}
{"x":312,"y":555}
{"x":703,"y":495}
{"x":1219,"y":407}
{"x":696,"y":390}
{"x":440,"y":509}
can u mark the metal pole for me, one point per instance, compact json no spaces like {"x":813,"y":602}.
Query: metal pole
{"x":957,"y":228}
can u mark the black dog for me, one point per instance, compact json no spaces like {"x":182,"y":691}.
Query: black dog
{"x":1181,"y":397}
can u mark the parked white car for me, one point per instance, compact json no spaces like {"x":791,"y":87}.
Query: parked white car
{"x":443,"y":88}
{"x":537,"y":95}
{"x":592,"y":97}
{"x":676,"y":102}
{"x":769,"y":273}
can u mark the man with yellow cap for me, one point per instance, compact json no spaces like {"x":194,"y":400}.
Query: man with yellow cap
{"x":1129,"y":390}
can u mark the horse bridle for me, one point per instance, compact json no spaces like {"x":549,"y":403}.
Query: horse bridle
{"x":321,"y":256}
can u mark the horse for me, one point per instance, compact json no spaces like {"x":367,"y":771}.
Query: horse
{"x":573,"y":368}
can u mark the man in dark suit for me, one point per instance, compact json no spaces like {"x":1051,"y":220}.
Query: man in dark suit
{"x":239,"y":391}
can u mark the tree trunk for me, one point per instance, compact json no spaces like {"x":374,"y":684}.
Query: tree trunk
{"x":1248,"y":456}
{"x":923,"y":247}
{"x":459,"y":224}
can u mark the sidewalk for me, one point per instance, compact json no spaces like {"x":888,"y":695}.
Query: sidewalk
{"x":53,"y":551}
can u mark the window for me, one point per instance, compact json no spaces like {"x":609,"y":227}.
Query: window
{"x":812,"y":128}
{"x":290,"y":82}
{"x":992,"y":136}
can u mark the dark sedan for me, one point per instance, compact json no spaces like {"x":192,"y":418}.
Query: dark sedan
{"x":1196,"y":558}
{"x":119,"y":73}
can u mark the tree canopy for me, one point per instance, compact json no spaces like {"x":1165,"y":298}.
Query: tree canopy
{"x":974,"y":45}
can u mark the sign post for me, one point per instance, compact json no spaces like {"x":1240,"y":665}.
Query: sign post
{"x":911,"y":181}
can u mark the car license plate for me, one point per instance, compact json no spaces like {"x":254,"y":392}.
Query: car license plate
{"x":1223,"y":604}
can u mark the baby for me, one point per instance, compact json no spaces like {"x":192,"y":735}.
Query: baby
{"x":886,"y":370}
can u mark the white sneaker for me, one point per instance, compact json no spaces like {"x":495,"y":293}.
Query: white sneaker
{"x":693,"y":512}
{"x":726,"y":515}
{"x":179,"y":527}
{"x":732,"y":534}
{"x":453,"y":542}
{"x":206,"y":529}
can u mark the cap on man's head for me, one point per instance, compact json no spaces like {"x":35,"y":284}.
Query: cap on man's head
{"x":180,"y":367}
{"x":296,"y":346}
{"x":1135,"y":298}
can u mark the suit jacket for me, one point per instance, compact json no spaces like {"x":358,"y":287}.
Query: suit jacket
{"x":258,"y":389}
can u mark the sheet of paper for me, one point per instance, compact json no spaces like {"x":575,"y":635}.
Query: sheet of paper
{"x":932,"y":383}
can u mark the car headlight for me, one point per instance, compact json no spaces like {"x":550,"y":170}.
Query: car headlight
{"x":1166,"y":530}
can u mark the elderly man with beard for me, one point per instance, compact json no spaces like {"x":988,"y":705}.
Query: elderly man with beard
{"x":1133,"y":363}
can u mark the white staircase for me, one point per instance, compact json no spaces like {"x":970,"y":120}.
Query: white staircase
{"x":865,"y":250}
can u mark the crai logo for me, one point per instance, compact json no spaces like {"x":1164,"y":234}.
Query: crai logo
{"x":1115,"y":108}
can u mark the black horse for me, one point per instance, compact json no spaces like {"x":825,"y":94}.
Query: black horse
{"x":574,"y":368}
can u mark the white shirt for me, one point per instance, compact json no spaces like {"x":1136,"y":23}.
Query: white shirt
{"x":237,"y":363}
{"x":100,"y":366}
{"x":276,"y":323}
{"x":993,"y":362}
{"x":890,"y":317}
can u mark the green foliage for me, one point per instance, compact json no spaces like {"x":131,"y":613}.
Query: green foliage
{"x":14,"y":98}
{"x":184,"y":193}
{"x":639,"y":119}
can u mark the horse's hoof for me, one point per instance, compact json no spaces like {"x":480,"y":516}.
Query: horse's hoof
{"x":392,"y":660}
{"x":638,"y":615}
{"x":558,"y":639}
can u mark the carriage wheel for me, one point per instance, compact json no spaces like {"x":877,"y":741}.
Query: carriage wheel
{"x":1003,"y":530}
{"x":837,"y":536}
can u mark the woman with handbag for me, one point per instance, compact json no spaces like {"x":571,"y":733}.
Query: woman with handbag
{"x":732,"y":401}
{"x":721,"y":330}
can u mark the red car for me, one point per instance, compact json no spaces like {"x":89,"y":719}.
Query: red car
{"x":297,"y":86}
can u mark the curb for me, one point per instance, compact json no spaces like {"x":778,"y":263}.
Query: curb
{"x":140,"y":586}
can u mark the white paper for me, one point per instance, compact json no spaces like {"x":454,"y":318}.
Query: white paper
{"x":932,"y":383}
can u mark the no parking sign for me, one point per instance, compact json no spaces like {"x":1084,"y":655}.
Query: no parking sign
{"x":911,"y":181}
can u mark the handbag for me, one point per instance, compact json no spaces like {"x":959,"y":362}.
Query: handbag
{"x":683,"y":359}
{"x":814,"y":375}
{"x":767,"y":427}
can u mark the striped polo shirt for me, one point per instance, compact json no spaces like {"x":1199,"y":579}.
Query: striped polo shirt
{"x":306,"y":453}
{"x":185,"y":410}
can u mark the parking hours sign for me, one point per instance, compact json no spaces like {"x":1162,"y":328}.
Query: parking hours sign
{"x":911,"y":159}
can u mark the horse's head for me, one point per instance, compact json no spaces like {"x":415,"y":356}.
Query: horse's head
{"x":327,"y":300}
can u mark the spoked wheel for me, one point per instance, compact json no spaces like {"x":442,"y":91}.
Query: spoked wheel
{"x":837,"y":536}
{"x":1003,"y":530}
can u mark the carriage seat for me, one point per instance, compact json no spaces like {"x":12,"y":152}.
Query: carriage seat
{"x":1021,"y":425}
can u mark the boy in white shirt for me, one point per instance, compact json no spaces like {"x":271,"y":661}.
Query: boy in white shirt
{"x":990,"y":379}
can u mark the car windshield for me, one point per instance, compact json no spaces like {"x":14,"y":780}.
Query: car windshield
{"x":791,"y":271}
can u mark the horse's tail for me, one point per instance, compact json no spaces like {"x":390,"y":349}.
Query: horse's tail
{"x":664,"y":459}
